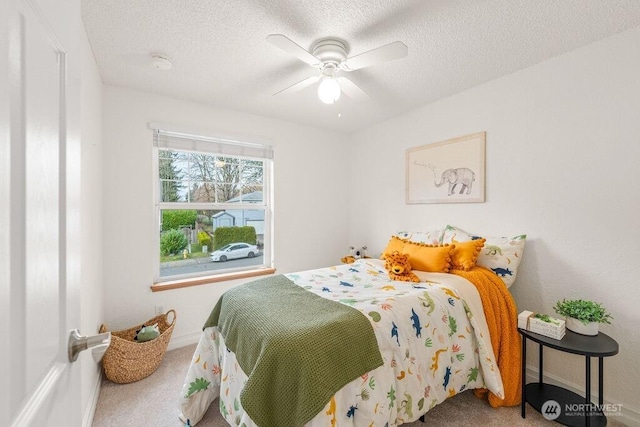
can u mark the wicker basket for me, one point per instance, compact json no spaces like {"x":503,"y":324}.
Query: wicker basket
{"x":127,"y":361}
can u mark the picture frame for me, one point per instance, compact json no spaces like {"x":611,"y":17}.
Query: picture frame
{"x":451,"y":171}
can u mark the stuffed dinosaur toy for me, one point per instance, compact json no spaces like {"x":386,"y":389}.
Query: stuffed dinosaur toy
{"x":147,"y":333}
{"x":354,"y":254}
{"x":399,"y":267}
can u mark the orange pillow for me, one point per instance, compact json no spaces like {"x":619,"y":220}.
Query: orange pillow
{"x":465,"y":255}
{"x":395,"y":244}
{"x":432,"y":258}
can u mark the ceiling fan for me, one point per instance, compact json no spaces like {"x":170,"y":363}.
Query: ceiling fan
{"x":329,"y":55}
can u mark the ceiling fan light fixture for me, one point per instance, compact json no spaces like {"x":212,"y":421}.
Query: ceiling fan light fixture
{"x":329,"y":90}
{"x":330,"y":56}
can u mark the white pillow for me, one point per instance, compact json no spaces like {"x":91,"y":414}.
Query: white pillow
{"x":430,"y":237}
{"x":502,"y":255}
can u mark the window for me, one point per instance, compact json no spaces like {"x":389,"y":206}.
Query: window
{"x":212,"y":203}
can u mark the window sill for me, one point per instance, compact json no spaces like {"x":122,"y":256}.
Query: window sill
{"x":185,"y":283}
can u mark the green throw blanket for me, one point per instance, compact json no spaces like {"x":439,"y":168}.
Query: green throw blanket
{"x":297,"y":348}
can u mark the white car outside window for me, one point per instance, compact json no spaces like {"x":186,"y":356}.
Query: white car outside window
{"x":234,"y":251}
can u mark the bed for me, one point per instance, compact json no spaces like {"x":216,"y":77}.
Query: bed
{"x":445,"y":335}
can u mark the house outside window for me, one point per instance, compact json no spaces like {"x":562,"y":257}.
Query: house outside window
{"x":212,"y":204}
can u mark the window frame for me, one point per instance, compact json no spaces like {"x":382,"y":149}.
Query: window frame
{"x":211,"y":276}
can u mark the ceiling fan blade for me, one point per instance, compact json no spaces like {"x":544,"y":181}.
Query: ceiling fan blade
{"x":389,"y":52}
{"x":352,"y":90}
{"x":299,"y":86}
{"x":292,"y":48}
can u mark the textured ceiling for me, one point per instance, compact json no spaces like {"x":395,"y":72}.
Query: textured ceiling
{"x":220,"y":55}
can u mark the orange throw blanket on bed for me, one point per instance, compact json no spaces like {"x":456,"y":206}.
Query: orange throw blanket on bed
{"x":502,"y":317}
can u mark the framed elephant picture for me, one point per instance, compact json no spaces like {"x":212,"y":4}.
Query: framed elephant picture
{"x":451,"y":171}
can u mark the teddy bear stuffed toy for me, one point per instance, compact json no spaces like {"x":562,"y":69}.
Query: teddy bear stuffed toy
{"x":399,"y":267}
{"x":354,"y":254}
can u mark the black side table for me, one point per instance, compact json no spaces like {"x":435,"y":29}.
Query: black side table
{"x":575,"y":410}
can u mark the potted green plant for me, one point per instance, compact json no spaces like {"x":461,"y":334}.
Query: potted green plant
{"x":582,"y":316}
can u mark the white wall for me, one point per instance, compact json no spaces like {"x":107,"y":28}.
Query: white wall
{"x":310,"y":169}
{"x":562,"y":164}
{"x":91,"y":288}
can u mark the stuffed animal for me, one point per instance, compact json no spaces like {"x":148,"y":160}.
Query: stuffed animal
{"x":399,"y":267}
{"x":147,"y":333}
{"x":354,"y":254}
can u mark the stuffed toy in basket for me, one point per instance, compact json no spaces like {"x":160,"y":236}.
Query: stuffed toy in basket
{"x":128,"y":360}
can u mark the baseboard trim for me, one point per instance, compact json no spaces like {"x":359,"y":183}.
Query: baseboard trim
{"x":628,"y":415}
{"x":90,"y":412}
{"x":184,"y":340}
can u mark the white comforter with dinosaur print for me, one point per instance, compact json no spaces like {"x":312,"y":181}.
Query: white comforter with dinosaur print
{"x":433,"y":338}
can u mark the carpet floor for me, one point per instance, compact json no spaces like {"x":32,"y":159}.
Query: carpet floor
{"x":153,"y":402}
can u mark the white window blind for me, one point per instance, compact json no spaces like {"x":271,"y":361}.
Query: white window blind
{"x":203,"y":144}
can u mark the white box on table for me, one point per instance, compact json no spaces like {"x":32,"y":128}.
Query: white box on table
{"x":553,"y":328}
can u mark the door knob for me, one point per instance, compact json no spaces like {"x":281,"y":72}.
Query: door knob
{"x":78,"y":342}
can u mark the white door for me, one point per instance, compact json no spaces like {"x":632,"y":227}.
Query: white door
{"x":39,"y":208}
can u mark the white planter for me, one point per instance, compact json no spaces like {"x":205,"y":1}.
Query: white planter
{"x":578,"y":327}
